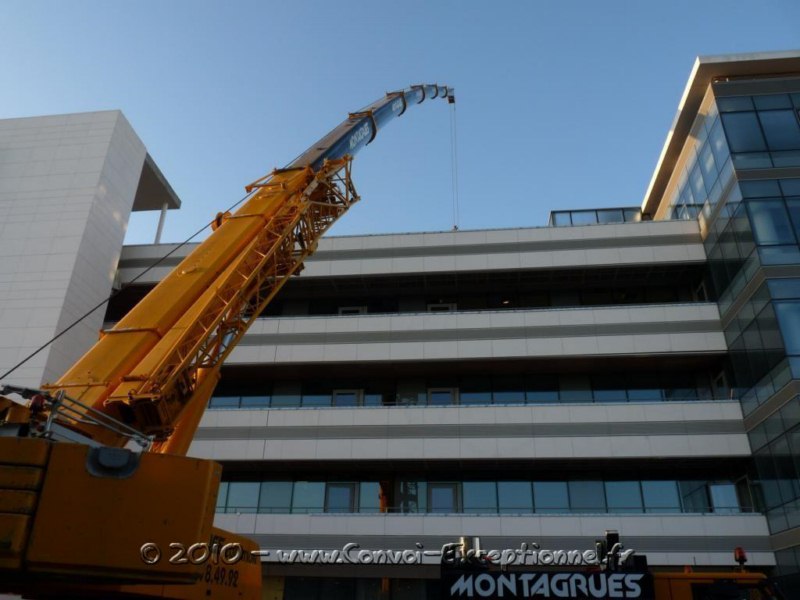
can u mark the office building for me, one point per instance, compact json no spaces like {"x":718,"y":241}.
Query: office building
{"x":632,"y":369}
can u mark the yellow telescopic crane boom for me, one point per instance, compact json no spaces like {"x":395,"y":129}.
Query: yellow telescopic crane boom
{"x":148,"y":380}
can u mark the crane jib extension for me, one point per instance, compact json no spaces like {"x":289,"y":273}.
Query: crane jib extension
{"x":74,"y":516}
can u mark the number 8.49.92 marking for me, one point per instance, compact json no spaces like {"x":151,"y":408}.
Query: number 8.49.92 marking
{"x":196,"y":554}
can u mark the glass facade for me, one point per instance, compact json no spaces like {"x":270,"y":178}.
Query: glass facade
{"x":752,"y":221}
{"x":486,"y":497}
{"x":708,"y":171}
{"x":476,"y":390}
{"x":599,"y":216}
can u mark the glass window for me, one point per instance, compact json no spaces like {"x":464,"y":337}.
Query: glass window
{"x":744,"y":132}
{"x":550,"y":497}
{"x":352,"y":310}
{"x":786,"y":158}
{"x":698,"y":187}
{"x":413,"y":496}
{"x":222,"y":496}
{"x":316,"y":399}
{"x":480,"y":496}
{"x":369,"y":497}
{"x":609,"y":389}
{"x":340,"y":497}
{"x":561,"y":219}
{"x":276,"y":497}
{"x":610,"y":215}
{"x":793,"y":204}
{"x":243,"y":496}
{"x":477,"y":390}
{"x":542,"y":389}
{"x":255,"y":401}
{"x":587,"y":496}
{"x":308,"y":497}
{"x":789,"y":320}
{"x":706,"y":162}
{"x":781,"y":129}
{"x":644,"y":388}
{"x":285,"y":400}
{"x":772,"y":101}
{"x":633,"y":215}
{"x":443,"y":497}
{"x":771,"y":225}
{"x":733,"y":103}
{"x":790,"y":187}
{"x":723,"y":498}
{"x":784,"y":289}
{"x":224,"y":402}
{"x":509,"y":390}
{"x":584,"y":217}
{"x":624,"y":496}
{"x":752,"y":160}
{"x":575,"y":388}
{"x":695,"y":496}
{"x":661,"y":496}
{"x":759,"y":188}
{"x":347,"y":397}
{"x":514,"y":497}
{"x":716,"y":139}
{"x":441,"y":396}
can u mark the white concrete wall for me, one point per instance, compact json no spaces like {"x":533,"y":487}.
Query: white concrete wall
{"x":632,"y":244}
{"x":666,"y":539}
{"x":67,"y":184}
{"x":566,"y":431}
{"x":582,"y":331}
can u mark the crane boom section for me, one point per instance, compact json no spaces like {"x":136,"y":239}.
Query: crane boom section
{"x":161,"y":357}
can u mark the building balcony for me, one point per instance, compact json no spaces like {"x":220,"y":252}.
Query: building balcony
{"x":540,"y":333}
{"x":666,"y":539}
{"x":642,"y":243}
{"x":674,"y":430}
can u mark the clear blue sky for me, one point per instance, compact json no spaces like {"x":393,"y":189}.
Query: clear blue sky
{"x":560,"y":104}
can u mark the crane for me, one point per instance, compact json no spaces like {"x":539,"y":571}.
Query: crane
{"x":97,"y":495}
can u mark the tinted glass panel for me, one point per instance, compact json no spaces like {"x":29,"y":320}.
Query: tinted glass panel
{"x":276,"y":497}
{"x":550,"y":496}
{"x":716,"y":139}
{"x":770,"y":222}
{"x":772,"y":101}
{"x":789,"y":320}
{"x":731,"y":103}
{"x":562,"y":219}
{"x":661,"y":496}
{"x":743,"y":131}
{"x":441,"y":397}
{"x":286,"y":400}
{"x":442,"y":498}
{"x":610,"y":216}
{"x":480,"y":496}
{"x":724,"y":498}
{"x":224,"y":402}
{"x":243,"y":496}
{"x":222,"y":496}
{"x":587,"y":496}
{"x":413,"y":496}
{"x":309,"y":496}
{"x":369,"y":496}
{"x":623,"y":496}
{"x":255,"y":401}
{"x":515,"y":496}
{"x":340,"y":498}
{"x":781,"y":129}
{"x":587,"y":217}
{"x":345,"y":398}
{"x":316,"y":399}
